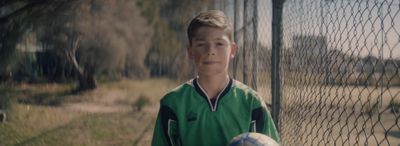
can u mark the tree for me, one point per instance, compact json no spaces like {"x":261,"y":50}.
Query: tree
{"x":11,"y":29}
{"x":92,"y":36}
{"x":169,"y":19}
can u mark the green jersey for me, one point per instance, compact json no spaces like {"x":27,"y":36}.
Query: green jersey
{"x":188,"y":117}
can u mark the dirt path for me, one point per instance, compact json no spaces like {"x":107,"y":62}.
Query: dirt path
{"x":103,"y":101}
{"x":97,"y":108}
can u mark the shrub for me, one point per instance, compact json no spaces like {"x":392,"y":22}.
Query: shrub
{"x":141,"y":102}
{"x":394,"y":106}
{"x":5,"y":97}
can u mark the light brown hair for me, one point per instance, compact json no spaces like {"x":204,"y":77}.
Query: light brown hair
{"x":210,"y":18}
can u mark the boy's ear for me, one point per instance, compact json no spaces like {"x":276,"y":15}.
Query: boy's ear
{"x":233,"y":49}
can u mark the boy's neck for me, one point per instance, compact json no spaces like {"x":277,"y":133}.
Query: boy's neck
{"x":213,"y":85}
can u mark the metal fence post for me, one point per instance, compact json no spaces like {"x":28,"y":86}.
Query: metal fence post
{"x":255,"y":45}
{"x":277,"y":6}
{"x":236,"y":37}
{"x":245,"y":43}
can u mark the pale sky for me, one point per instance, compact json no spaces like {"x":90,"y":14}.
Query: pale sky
{"x":360,"y":27}
{"x":352,"y":26}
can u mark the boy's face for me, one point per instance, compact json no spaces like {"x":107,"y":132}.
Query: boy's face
{"x":211,"y":51}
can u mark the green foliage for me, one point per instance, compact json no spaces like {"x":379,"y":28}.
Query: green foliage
{"x":6,"y":96}
{"x":58,"y":25}
{"x":150,"y":10}
{"x":5,"y":61}
{"x":129,"y":48}
{"x":167,"y":55}
{"x":25,"y":67}
{"x":394,"y":106}
{"x":8,"y":41}
{"x":140,"y":103}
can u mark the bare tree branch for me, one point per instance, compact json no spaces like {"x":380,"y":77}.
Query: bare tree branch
{"x":71,"y":53}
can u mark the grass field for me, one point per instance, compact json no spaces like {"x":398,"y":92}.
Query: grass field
{"x":124,"y":112}
{"x":116,"y":113}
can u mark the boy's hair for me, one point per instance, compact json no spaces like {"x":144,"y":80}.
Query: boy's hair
{"x":210,"y":18}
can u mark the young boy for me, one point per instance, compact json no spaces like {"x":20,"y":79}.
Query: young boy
{"x":212,"y":108}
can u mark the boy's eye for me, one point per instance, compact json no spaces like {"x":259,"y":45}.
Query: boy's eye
{"x":200,"y":45}
{"x":220,"y":44}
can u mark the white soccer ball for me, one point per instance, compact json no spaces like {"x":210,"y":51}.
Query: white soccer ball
{"x":252,"y":139}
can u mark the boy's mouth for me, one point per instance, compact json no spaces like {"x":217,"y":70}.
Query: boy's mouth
{"x":209,"y":62}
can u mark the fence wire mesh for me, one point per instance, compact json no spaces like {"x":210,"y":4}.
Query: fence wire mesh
{"x":252,"y":23}
{"x":340,"y":72}
{"x":338,"y":64}
{"x":339,"y":67}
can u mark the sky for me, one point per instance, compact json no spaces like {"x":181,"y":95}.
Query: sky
{"x":361,"y":27}
{"x":365,"y":26}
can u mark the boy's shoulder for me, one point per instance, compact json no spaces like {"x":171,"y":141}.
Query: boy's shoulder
{"x":186,"y":88}
{"x":241,"y":87}
{"x":178,"y":91}
{"x":246,"y":91}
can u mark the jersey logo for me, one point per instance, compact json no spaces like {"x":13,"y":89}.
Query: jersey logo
{"x":191,"y":116}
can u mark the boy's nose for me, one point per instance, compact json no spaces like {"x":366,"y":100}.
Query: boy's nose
{"x":210,"y":50}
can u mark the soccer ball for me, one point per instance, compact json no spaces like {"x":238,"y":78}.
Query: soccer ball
{"x":252,"y":139}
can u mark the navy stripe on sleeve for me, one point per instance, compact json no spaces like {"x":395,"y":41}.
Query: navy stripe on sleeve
{"x":166,"y":115}
{"x":257,"y":115}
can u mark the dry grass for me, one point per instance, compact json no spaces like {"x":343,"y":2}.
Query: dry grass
{"x":100,"y":117}
{"x":341,"y":115}
{"x":109,"y":115}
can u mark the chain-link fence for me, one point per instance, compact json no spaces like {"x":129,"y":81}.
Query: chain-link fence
{"x":341,"y":80}
{"x":333,"y":67}
{"x":328,"y":69}
{"x":252,"y":23}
